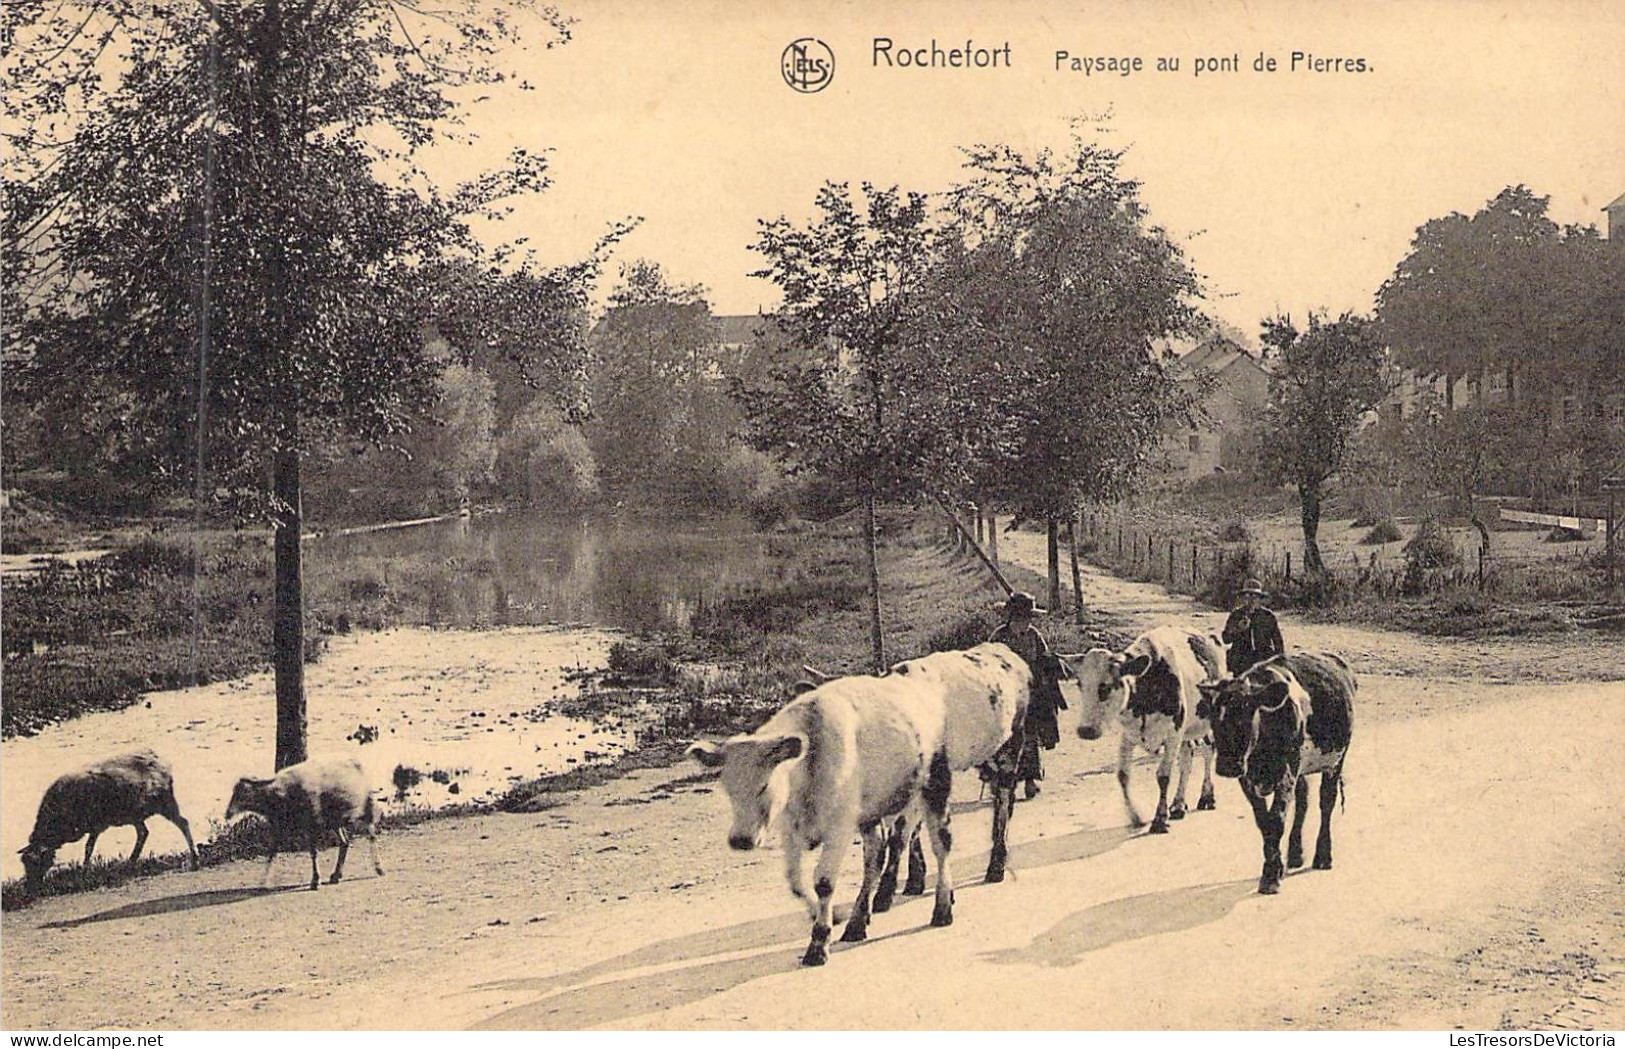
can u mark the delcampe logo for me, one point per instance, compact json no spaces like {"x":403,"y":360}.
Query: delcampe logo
{"x":808,"y":65}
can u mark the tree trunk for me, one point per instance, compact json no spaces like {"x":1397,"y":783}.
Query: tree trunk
{"x":288,"y":633}
{"x":1310,"y":497}
{"x":1077,"y":576}
{"x":993,"y":535}
{"x":1053,"y":547}
{"x":877,"y":642}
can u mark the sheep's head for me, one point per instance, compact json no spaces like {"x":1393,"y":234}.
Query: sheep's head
{"x":37,"y":859}
{"x":247,"y":796}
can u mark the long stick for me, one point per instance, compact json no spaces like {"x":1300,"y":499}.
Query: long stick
{"x":974,"y":545}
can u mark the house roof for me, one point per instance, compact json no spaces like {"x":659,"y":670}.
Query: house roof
{"x":1214,"y":355}
{"x":1619,"y":202}
{"x":740,"y":328}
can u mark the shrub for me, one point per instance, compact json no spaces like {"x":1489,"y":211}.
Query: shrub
{"x":1384,"y":531}
{"x":1565,"y":535}
{"x":1431,"y":547}
{"x":1224,"y":583}
{"x":643,"y":660}
{"x":969,"y":630}
{"x":1235,"y":530}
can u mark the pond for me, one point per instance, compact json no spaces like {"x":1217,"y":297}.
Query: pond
{"x":529,"y":568}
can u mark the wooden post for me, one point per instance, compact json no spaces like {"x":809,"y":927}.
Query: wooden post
{"x":1481,"y":566}
{"x":1193,"y":566}
{"x":992,"y":566}
{"x":1170,"y":562}
{"x":1613,"y":551}
{"x":1052,"y":550}
{"x":871,"y":528}
{"x":1077,"y":576}
{"x":1289,"y":566}
{"x":993,"y":535}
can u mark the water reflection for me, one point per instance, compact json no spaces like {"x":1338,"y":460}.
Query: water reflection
{"x":527,"y":568}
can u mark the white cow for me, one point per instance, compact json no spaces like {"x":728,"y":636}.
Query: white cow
{"x":853,"y":755}
{"x":1153,"y":687}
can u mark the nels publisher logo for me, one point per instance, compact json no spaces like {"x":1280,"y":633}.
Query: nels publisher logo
{"x":808,"y":65}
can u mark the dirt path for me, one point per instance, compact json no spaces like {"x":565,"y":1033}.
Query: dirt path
{"x":1478,"y":883}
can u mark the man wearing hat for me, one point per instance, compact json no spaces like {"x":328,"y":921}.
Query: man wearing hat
{"x":1043,"y":726}
{"x":1251,"y":631}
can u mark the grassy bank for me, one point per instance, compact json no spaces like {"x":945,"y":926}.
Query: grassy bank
{"x":1418,"y":574}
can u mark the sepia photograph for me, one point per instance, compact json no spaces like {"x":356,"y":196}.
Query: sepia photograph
{"x":577,"y":515}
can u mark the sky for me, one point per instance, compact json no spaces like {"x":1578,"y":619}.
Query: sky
{"x":1291,"y":190}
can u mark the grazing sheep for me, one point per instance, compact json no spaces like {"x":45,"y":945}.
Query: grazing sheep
{"x":121,"y":791}
{"x":310,"y":798}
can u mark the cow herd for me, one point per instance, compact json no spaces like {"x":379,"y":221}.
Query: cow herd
{"x":874,"y":756}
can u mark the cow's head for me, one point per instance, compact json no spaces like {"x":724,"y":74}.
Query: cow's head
{"x":37,"y":859}
{"x":755,"y":777}
{"x":1106,"y":679}
{"x":1233,"y":708}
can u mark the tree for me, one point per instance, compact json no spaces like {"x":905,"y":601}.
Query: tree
{"x":1325,"y":381}
{"x":654,"y":387}
{"x":1068,"y":289}
{"x":838,"y":400}
{"x":1490,"y":292}
{"x":217,"y":207}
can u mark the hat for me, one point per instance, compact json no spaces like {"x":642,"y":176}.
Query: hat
{"x":1254,"y":587}
{"x":1020,"y":601}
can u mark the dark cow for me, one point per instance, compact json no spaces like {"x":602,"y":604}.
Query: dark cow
{"x":1276,"y":725}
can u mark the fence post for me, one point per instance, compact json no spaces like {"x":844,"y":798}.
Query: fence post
{"x":1119,"y":542}
{"x":1170,"y":561}
{"x":1193,"y":566}
{"x":1289,"y":566}
{"x":1481,"y":566}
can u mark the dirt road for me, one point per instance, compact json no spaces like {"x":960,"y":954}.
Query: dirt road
{"x":1480,"y":882}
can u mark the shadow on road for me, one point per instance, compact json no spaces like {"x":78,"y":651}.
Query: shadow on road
{"x":1114,"y":921}
{"x":583,"y":1003}
{"x":189,"y":901}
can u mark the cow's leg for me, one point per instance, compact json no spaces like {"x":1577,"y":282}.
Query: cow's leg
{"x":903,"y":830}
{"x":1269,"y":818}
{"x":1330,"y":781}
{"x":1300,"y":809}
{"x":344,"y":850}
{"x":1005,"y":764}
{"x":1207,"y":802}
{"x":915,"y":886}
{"x":172,"y":813}
{"x":938,"y":785}
{"x":825,"y":872}
{"x":1187,"y":751}
{"x":1125,"y":762}
{"x":1165,"y":769}
{"x":90,"y":845}
{"x":795,"y":874}
{"x":874,"y":854}
{"x":140,"y":840}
